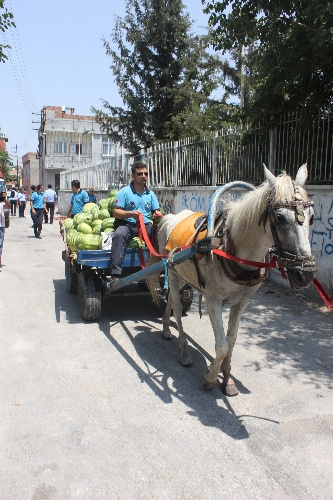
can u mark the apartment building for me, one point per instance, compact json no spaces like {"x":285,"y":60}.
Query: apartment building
{"x":30,"y":171}
{"x":67,"y":140}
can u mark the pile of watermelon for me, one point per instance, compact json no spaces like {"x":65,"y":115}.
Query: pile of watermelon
{"x":83,"y":232}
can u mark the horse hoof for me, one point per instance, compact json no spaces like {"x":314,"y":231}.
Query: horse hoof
{"x":186,"y":361}
{"x":207,"y":385}
{"x":229,"y":389}
{"x":166,"y":336}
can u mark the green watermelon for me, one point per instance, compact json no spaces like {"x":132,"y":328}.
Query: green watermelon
{"x":103,"y":214}
{"x":91,"y":208}
{"x":68,"y":223}
{"x":103,"y":203}
{"x":90,"y":242}
{"x":83,"y":227}
{"x":108,"y":224}
{"x":82,"y":217}
{"x":113,"y":193}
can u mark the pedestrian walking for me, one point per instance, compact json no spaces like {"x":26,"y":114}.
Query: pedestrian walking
{"x":13,"y":201}
{"x":50,"y":197}
{"x":22,"y":200}
{"x":37,"y":208}
{"x":33,"y":189}
{"x":4,"y":204}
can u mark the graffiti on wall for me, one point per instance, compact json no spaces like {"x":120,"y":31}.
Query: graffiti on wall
{"x":200,"y":202}
{"x":166,"y":204}
{"x":322,"y":232}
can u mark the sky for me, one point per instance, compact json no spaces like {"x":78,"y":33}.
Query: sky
{"x":58,"y":59}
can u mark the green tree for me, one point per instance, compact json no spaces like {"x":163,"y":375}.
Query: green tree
{"x":6,"y":164}
{"x":6,"y":21}
{"x":164,"y":74}
{"x":289,"y":51}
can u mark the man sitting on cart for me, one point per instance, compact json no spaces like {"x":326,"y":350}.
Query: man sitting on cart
{"x":129,"y":202}
{"x":79,"y":198}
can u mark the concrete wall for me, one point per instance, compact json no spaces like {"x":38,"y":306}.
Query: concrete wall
{"x":197,"y":199}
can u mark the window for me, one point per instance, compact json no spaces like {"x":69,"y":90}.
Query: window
{"x":108,"y":146}
{"x":60,"y":146}
{"x":78,"y":147}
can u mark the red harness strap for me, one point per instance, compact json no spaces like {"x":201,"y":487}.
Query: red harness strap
{"x":142,"y":232}
{"x":322,"y":292}
{"x":242,"y":261}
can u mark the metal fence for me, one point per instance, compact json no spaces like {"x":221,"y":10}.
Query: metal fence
{"x":235,"y":153}
{"x":110,"y":174}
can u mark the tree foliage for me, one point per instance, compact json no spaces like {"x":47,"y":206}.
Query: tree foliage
{"x":6,"y":21}
{"x":289,"y":51}
{"x":164,"y":74}
{"x":6,"y":164}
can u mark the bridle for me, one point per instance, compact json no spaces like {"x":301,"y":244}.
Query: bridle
{"x":287,"y":259}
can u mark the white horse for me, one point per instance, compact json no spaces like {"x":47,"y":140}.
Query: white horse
{"x":278,"y":215}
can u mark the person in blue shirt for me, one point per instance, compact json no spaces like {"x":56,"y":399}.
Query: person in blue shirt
{"x":37,"y":210}
{"x":131,"y":200}
{"x":79,"y":198}
{"x":91,"y":195}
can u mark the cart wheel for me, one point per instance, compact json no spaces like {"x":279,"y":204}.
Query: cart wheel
{"x":89,"y":296}
{"x":186,"y":297}
{"x":71,"y":274}
{"x":185,"y":294}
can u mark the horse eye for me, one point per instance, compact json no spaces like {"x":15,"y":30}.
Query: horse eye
{"x":279,"y":216}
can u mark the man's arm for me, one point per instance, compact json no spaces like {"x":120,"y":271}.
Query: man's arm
{"x":120,"y":213}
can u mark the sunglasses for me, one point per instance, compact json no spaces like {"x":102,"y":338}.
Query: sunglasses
{"x":140,"y":174}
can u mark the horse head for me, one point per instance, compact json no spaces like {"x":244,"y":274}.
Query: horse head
{"x":291,"y":214}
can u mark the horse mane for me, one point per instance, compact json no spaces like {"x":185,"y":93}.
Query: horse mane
{"x":246,"y":212}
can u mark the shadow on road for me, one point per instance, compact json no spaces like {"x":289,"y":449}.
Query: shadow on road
{"x":290,"y":331}
{"x":65,"y":302}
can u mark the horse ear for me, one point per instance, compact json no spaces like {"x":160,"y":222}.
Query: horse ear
{"x":302,"y":175}
{"x":269,"y":176}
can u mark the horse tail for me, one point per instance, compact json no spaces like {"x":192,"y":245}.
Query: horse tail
{"x":153,"y":280}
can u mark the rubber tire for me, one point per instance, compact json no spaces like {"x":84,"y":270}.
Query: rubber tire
{"x":89,"y":296}
{"x":71,"y":275}
{"x":186,"y":297}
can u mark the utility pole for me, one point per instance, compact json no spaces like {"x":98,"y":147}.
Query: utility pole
{"x":242,"y":100}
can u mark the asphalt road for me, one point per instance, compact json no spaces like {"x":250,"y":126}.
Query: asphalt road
{"x":104,"y":410}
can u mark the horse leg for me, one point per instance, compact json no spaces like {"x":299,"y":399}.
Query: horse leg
{"x":174,"y":284}
{"x":166,"y":333}
{"x":228,"y":385}
{"x":214,"y":306}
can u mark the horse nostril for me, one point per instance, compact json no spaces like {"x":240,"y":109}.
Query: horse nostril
{"x":300,"y":279}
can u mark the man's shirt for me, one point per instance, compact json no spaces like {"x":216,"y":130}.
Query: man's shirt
{"x":50,"y":196}
{"x":37,"y":200}
{"x":92,"y":198}
{"x":78,"y":200}
{"x":129,"y":199}
{"x":22,"y":197}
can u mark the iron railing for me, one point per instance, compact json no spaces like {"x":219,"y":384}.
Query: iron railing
{"x":234,"y":153}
